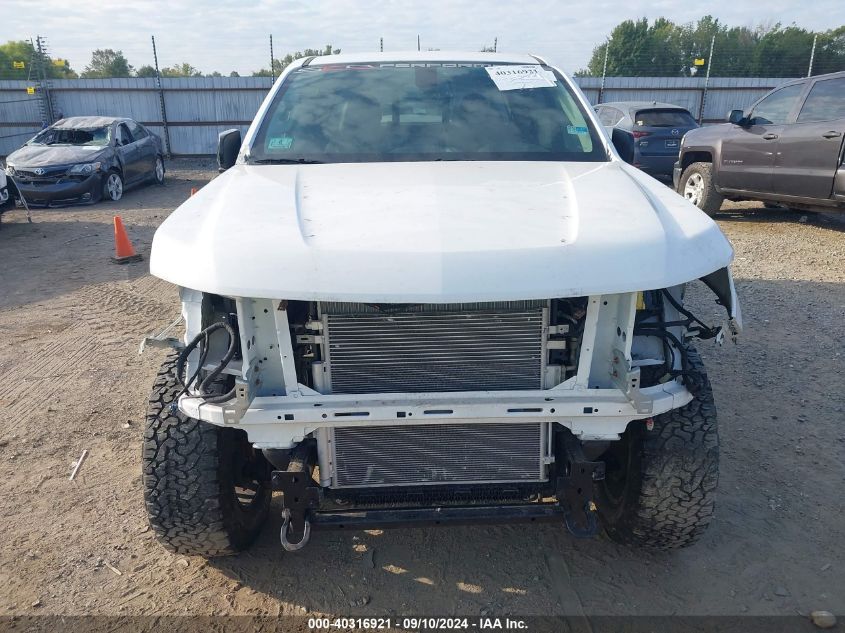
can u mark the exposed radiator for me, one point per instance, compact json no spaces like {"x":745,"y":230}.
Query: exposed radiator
{"x":437,"y":454}
{"x":460,"y":347}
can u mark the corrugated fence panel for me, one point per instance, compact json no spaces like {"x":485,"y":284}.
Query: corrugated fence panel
{"x":723,"y":93}
{"x":198,"y":108}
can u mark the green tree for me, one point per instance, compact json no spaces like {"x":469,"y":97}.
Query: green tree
{"x":234,"y":73}
{"x":146,"y":71}
{"x":180,"y":70}
{"x":663,"y":48}
{"x":24,"y":51}
{"x":280,"y":64}
{"x":106,"y":62}
{"x":830,"y":52}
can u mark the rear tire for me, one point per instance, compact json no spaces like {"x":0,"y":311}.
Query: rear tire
{"x":696,"y":185}
{"x":196,"y":476}
{"x":660,"y":488}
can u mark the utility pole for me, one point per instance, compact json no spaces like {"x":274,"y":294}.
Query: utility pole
{"x":161,"y":100}
{"x":495,"y":44}
{"x":706,"y":80}
{"x":43,"y":84}
{"x":812,"y":55}
{"x":272,"y":67}
{"x":604,"y":70}
{"x":418,"y":42}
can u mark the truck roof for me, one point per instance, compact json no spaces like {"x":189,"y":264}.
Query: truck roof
{"x":426,"y":56}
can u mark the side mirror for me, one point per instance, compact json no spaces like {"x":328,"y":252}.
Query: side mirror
{"x":624,"y":144}
{"x":228,"y":146}
{"x":737,"y":117}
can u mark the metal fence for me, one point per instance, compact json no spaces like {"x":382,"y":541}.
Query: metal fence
{"x":198,"y":108}
{"x":709,"y":100}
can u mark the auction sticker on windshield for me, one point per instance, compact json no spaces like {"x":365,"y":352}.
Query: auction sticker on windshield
{"x":513,"y":77}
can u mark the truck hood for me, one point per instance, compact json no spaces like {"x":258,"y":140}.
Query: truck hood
{"x":707,"y":134}
{"x":435,"y":232}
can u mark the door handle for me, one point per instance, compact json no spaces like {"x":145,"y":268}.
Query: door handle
{"x":832,"y":134}
{"x":770,"y":136}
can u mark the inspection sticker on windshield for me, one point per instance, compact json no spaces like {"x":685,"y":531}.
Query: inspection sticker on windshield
{"x":513,"y":77}
{"x":280,"y":142}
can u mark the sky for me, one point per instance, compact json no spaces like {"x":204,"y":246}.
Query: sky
{"x":226,"y":35}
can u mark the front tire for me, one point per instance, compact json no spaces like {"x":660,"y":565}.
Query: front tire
{"x":696,"y":185}
{"x":113,"y":186}
{"x":205,"y":487}
{"x":158,"y":171}
{"x":660,"y":488}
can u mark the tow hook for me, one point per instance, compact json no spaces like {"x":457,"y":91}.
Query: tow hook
{"x":303,"y":540}
{"x":575,"y":490}
{"x":301,"y":494}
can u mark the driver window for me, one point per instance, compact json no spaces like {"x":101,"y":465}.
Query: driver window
{"x":123,"y":135}
{"x":775,"y":108}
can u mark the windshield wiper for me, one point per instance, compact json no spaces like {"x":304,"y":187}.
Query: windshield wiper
{"x":287,"y":161}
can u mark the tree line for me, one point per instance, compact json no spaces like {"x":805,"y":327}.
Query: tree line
{"x":662,"y":48}
{"x":18,"y":57}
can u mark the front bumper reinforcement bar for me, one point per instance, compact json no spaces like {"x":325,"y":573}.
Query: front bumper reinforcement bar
{"x":302,"y":497}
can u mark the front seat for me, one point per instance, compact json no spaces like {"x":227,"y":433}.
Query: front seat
{"x":360,"y":130}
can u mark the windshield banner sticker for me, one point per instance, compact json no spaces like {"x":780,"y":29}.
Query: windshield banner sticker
{"x":514,"y":77}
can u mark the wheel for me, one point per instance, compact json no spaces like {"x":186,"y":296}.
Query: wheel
{"x":158,"y":171}
{"x":113,"y":186}
{"x":696,"y":185}
{"x":659,"y":490}
{"x":205,"y":488}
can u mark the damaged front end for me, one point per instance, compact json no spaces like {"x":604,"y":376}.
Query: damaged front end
{"x":388,"y":415}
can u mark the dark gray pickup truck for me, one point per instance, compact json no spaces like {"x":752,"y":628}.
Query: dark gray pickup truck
{"x":786,"y":149}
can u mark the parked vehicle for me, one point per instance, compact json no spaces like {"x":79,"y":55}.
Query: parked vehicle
{"x":647,"y":133}
{"x":447,"y":300}
{"x":86,"y":159}
{"x":785,"y":149}
{"x":6,"y":198}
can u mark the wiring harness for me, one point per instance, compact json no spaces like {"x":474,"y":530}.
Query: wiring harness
{"x":671,"y":343}
{"x":205,"y":388}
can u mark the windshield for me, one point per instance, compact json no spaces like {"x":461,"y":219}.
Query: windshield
{"x":74,"y":136}
{"x":424,"y":112}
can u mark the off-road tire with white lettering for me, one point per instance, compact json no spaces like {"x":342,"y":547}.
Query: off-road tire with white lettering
{"x":190,"y":473}
{"x":660,"y":486}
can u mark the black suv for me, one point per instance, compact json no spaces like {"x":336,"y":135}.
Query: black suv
{"x":785,"y":149}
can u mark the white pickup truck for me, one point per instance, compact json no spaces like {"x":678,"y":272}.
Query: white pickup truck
{"x":426,"y":290}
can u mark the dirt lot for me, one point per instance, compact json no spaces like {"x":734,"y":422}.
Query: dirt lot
{"x":72,"y":380}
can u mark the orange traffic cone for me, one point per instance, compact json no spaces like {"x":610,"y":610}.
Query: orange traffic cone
{"x":123,"y":251}
{"x":194,"y":191}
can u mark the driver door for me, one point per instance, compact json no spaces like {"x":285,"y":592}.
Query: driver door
{"x":749,"y":151}
{"x":128,"y":153}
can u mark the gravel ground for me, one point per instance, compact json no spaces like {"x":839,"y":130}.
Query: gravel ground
{"x":73,"y":380}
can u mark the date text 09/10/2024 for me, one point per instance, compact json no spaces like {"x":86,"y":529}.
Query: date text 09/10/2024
{"x":418,"y":624}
